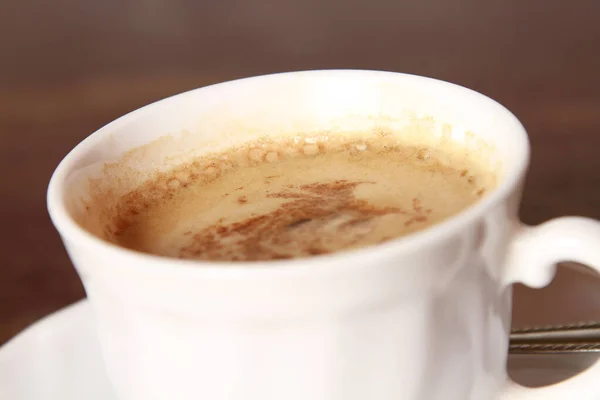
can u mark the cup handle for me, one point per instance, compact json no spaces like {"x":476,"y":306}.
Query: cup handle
{"x":532,"y":260}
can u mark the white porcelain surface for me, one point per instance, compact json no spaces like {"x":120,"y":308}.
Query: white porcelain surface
{"x":58,"y":358}
{"x":382,"y":323}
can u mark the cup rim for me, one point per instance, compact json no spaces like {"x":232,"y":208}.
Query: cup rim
{"x":72,"y":232}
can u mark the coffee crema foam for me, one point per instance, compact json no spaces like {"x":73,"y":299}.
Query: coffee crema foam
{"x":296,"y":197}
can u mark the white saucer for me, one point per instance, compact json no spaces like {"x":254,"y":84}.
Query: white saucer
{"x":58,"y":358}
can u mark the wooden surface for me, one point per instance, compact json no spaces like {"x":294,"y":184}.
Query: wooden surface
{"x":68,"y":67}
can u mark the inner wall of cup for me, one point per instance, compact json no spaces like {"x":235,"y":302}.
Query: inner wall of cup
{"x":157,"y":138}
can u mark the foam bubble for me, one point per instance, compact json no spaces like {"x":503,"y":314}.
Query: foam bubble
{"x":310,"y":149}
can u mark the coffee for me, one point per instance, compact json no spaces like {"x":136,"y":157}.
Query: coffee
{"x":296,"y":197}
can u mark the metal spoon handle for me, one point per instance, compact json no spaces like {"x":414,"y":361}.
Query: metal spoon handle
{"x":585,"y":332}
{"x":554,"y":348}
{"x":582,"y":337}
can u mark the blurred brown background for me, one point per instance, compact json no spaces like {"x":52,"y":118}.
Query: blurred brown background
{"x":68,"y":67}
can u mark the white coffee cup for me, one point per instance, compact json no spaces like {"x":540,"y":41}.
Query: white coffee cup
{"x":426,"y":316}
